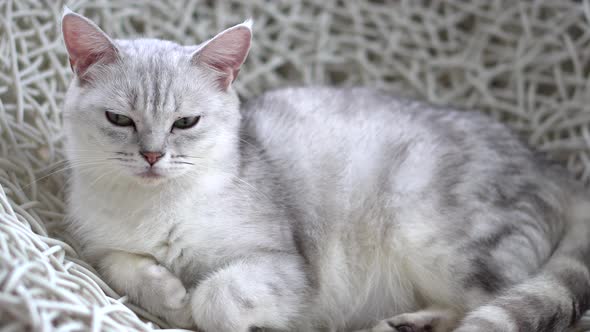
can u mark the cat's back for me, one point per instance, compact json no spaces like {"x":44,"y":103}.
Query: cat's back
{"x":349,"y":136}
{"x":322,"y":108}
{"x":319,"y":125}
{"x":341,"y":146}
{"x":343,"y":154}
{"x":322,"y":138}
{"x":327,"y":118}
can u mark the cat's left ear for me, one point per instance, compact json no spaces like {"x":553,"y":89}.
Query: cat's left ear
{"x":226,"y":52}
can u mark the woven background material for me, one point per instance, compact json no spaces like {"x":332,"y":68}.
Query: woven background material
{"x":525,"y":62}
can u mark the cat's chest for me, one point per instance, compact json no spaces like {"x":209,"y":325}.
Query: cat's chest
{"x":175,"y":234}
{"x":184,"y":245}
{"x":188,"y":234}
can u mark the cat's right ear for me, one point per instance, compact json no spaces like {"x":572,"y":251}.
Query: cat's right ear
{"x":86,"y":43}
{"x":226,"y":52}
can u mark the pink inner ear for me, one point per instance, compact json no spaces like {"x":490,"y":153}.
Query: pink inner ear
{"x":226,"y":53}
{"x":86,"y":44}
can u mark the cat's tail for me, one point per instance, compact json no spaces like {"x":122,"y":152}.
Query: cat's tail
{"x":553,"y":300}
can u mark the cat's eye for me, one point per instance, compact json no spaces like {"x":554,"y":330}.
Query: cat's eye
{"x":119,"y":120}
{"x":186,"y":122}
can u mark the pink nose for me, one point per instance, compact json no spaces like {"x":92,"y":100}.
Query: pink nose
{"x":151,"y":157}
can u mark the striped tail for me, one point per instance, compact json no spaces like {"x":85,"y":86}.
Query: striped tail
{"x":553,"y":300}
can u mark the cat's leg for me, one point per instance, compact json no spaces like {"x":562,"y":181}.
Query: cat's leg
{"x":428,"y":320}
{"x":269,"y":291}
{"x":148,"y":284}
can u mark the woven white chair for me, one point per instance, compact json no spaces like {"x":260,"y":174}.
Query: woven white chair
{"x":524,"y":62}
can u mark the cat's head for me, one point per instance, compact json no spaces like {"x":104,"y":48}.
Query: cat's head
{"x":150,"y":110}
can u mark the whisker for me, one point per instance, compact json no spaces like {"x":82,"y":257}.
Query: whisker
{"x":66,"y":168}
{"x":182,"y":162}
{"x":244,"y":141}
{"x":94,"y":151}
{"x":111,"y":171}
{"x":120,"y":159}
{"x":186,"y":156}
{"x":197,"y":158}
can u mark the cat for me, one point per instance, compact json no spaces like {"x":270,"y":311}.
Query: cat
{"x":309,"y":208}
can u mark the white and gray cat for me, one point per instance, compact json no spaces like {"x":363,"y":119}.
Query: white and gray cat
{"x":309,"y":209}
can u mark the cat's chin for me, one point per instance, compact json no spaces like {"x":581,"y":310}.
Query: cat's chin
{"x":151,"y":177}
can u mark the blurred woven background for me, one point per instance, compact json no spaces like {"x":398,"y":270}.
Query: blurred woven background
{"x":525,"y":62}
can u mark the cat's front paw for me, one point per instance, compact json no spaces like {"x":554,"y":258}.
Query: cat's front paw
{"x":165,"y":287}
{"x":214,"y":308}
{"x":221,"y":303}
{"x":247,"y":295}
{"x":166,"y":296}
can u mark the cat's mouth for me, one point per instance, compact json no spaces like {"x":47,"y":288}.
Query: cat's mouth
{"x":151,"y":174}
